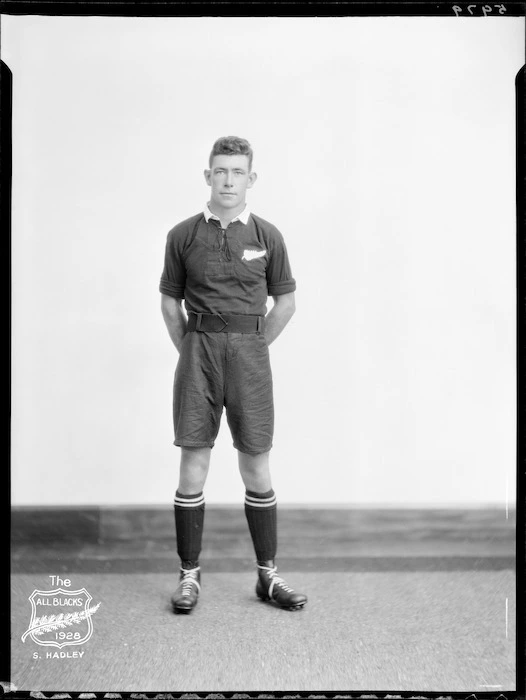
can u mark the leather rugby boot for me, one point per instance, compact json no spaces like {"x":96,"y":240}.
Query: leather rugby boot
{"x":185,"y":597}
{"x":270,"y":586}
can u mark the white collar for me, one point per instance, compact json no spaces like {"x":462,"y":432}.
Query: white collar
{"x":243,"y":216}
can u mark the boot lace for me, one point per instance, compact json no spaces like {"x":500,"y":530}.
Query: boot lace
{"x":275,"y":580}
{"x":223,"y":244}
{"x":188,"y":580}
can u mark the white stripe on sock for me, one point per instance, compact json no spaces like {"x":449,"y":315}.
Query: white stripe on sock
{"x":260,"y":502}
{"x":189,"y":502}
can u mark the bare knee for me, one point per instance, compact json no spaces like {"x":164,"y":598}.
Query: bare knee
{"x":193,"y":470}
{"x":255,"y":471}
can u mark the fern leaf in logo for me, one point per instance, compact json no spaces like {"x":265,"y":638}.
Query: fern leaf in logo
{"x":253,"y":254}
{"x":48,"y":623}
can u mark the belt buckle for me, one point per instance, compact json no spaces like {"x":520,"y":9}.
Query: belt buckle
{"x":225,"y":324}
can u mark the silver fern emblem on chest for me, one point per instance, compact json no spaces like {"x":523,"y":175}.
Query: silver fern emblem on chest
{"x":253,"y":254}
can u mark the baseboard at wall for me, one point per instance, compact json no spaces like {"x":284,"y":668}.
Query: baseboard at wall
{"x":97,"y":525}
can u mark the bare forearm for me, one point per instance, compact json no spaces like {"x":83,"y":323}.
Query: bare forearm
{"x":278,"y":317}
{"x":174,"y":319}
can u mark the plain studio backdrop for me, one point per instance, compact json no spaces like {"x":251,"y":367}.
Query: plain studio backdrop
{"x":385,"y":149}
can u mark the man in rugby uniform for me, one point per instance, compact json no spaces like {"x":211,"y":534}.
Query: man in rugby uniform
{"x":225,"y":262}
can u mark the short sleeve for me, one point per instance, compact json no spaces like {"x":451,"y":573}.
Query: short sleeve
{"x":173,"y":278}
{"x":279,"y":273}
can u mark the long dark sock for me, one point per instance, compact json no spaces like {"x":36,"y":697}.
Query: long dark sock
{"x":189,"y":513}
{"x":261,"y":513}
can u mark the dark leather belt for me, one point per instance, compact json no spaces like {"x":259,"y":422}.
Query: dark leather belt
{"x":221,"y":323}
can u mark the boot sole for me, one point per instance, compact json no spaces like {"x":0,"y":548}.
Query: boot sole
{"x":298,"y":606}
{"x":181,"y":611}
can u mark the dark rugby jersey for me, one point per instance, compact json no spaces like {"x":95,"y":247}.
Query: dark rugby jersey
{"x":227,"y":271}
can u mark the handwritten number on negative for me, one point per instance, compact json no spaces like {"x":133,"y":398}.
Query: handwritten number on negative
{"x":486,"y":9}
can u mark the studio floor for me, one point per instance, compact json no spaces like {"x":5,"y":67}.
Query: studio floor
{"x":398,"y":601}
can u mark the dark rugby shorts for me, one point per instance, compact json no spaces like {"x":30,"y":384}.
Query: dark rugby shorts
{"x":230,"y":370}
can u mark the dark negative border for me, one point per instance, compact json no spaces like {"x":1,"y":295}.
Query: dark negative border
{"x":256,"y":8}
{"x":6,"y":85}
{"x":328,"y":8}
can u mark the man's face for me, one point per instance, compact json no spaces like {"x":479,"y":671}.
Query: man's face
{"x":229,"y":178}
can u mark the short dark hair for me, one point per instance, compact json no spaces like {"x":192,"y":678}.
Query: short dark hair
{"x":231,"y":146}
